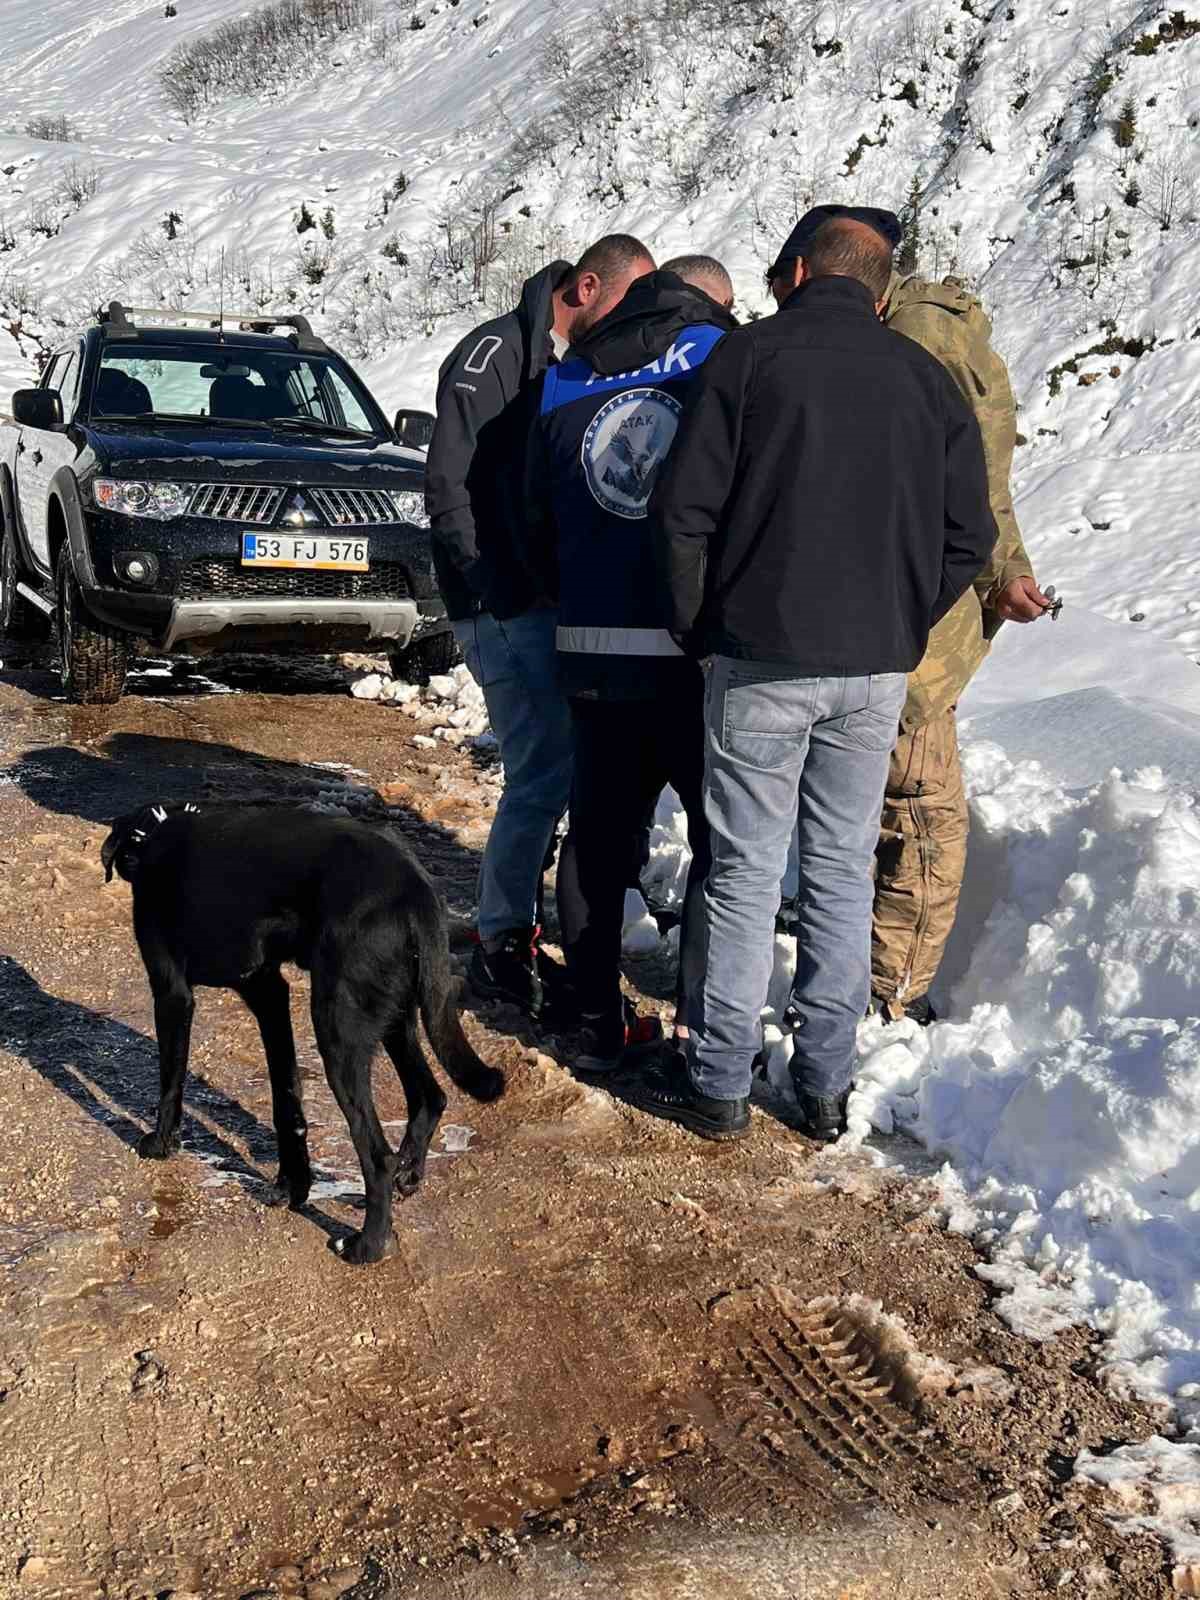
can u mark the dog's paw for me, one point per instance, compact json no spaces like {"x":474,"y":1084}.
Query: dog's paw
{"x":408,"y":1178}
{"x":290,"y":1192}
{"x":152,"y":1148}
{"x":355,"y":1249}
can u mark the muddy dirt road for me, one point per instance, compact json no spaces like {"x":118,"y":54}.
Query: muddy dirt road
{"x":605,"y":1360}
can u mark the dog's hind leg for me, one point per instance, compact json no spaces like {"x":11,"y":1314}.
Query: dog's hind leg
{"x":347,"y":1038}
{"x":174,"y":1007}
{"x":426,"y":1102}
{"x":266,"y":994}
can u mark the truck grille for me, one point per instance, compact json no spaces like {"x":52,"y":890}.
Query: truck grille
{"x":224,"y":578}
{"x":353,"y":508}
{"x":237,"y":502}
{"x":258,"y":504}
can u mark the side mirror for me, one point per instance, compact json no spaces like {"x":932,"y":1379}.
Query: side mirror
{"x":415,"y":428}
{"x":37,"y":408}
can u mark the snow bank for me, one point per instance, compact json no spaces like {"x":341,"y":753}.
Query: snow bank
{"x":450,"y":710}
{"x":1154,"y":1487}
{"x":1065,"y":1088}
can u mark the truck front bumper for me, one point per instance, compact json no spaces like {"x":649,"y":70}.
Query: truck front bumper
{"x":200,"y":627}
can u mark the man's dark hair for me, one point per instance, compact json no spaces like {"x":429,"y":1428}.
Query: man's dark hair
{"x":613,"y":254}
{"x":848,"y":249}
{"x":705,"y":272}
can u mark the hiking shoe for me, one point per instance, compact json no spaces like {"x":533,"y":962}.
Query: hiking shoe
{"x":822,"y":1117}
{"x":503,"y":968}
{"x":919,"y":1010}
{"x":614,"y":1039}
{"x":667,"y":1091}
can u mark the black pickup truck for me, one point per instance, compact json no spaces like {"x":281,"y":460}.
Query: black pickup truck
{"x":186,"y":489}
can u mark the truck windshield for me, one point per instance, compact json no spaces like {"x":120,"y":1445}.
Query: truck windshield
{"x":246,"y":386}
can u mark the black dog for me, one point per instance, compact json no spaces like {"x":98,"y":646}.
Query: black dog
{"x":221,"y":897}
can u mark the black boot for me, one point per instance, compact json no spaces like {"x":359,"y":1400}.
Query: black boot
{"x":504,"y":968}
{"x":614,"y":1040}
{"x":667,"y":1091}
{"x":822,"y":1117}
{"x":560,"y":997}
{"x":919,"y":1009}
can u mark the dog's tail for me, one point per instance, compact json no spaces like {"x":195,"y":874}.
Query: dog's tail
{"x":439,"y":1013}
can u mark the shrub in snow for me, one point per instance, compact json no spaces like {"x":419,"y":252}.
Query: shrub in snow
{"x":1125,"y":127}
{"x":259,"y":51}
{"x":43,"y":219}
{"x":77,"y":185}
{"x":57,"y":129}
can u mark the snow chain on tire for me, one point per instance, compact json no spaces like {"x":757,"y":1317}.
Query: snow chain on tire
{"x":93,"y":658}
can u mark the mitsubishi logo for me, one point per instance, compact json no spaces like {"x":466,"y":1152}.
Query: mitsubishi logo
{"x":300,"y":514}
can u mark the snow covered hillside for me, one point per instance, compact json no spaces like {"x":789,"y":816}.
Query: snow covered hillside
{"x":395,"y":167}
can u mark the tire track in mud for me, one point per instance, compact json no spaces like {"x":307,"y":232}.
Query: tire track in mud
{"x":810,"y":1407}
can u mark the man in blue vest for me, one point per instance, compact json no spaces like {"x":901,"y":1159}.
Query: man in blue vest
{"x":607,"y":420}
{"x":487,"y":394}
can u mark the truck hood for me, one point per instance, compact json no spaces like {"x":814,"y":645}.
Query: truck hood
{"x":131,"y":450}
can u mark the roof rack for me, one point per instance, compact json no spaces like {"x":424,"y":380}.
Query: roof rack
{"x":116,"y":318}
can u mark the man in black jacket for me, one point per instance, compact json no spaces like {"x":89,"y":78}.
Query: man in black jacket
{"x":606,"y":421}
{"x":474,"y":496}
{"x":826,"y":502}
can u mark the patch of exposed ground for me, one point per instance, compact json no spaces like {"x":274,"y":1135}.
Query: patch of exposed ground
{"x":605,"y":1360}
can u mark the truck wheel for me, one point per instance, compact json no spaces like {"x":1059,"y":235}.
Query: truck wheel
{"x":19,"y":618}
{"x":426,"y":658}
{"x":93,"y":658}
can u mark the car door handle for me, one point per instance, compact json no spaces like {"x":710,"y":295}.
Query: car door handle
{"x":20,"y":447}
{"x":37,"y":458}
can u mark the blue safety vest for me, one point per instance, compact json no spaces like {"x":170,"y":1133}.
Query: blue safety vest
{"x":605,"y":441}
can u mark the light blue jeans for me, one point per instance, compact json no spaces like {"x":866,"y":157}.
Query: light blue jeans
{"x":514,"y":662}
{"x":790,"y":755}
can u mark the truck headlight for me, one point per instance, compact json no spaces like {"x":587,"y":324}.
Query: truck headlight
{"x":410,"y":506}
{"x":135,"y":499}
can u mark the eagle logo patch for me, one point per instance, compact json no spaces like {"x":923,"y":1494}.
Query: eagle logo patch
{"x":624,"y":447}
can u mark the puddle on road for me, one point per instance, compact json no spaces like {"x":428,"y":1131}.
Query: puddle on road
{"x":528,"y":1500}
{"x":170,"y":1211}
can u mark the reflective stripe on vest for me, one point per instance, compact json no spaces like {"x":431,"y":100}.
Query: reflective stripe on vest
{"x":617,"y":641}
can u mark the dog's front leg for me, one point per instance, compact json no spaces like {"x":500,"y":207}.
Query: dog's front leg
{"x":173,"y":1010}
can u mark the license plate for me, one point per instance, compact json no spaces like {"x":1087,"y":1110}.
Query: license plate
{"x":303,"y":550}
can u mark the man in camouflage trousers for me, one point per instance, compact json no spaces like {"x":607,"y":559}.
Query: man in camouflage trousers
{"x":922,"y":847}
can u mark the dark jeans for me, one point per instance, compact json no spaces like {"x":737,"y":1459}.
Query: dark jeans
{"x":626,"y":753}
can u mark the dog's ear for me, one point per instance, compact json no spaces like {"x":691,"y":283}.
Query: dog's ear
{"x":120,"y":849}
{"x":127,"y":834}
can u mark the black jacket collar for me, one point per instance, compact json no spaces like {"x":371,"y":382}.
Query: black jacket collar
{"x":830,"y":294}
{"x":535,"y":313}
{"x":654,"y":312}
